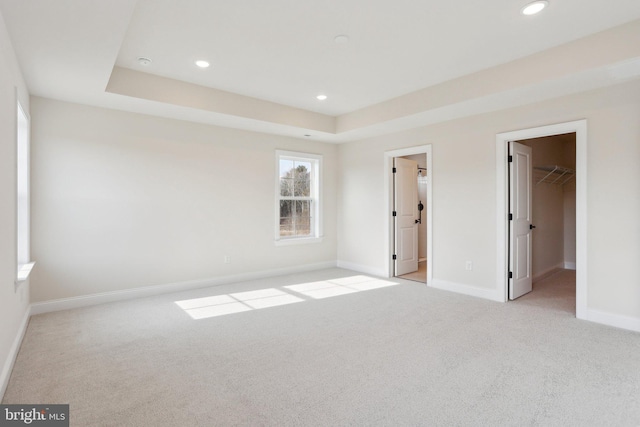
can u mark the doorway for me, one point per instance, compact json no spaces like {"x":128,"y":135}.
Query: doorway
{"x":505,"y":265}
{"x":409,"y":188}
{"x":542,"y":214}
{"x":410,"y":196}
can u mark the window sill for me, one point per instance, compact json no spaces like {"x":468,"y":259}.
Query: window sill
{"x":298,"y":241}
{"x":24,"y":270}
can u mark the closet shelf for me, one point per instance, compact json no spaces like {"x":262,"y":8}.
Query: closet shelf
{"x":553,"y":174}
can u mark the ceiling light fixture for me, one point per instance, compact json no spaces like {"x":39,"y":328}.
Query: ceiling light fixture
{"x":535,"y":7}
{"x":321,"y":97}
{"x":202,"y":64}
{"x":144,"y":61}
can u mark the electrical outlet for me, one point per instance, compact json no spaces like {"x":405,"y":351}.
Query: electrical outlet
{"x":227,"y":259}
{"x":468,"y":266}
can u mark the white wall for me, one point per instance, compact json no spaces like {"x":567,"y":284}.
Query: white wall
{"x":13,"y":305}
{"x":123,"y":200}
{"x":464,"y":193}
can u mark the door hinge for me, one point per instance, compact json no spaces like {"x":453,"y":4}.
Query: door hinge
{"x":510,"y":158}
{"x":510,"y":217}
{"x":394,"y":257}
{"x":394,"y":170}
{"x":510,"y":275}
{"x":395,"y":213}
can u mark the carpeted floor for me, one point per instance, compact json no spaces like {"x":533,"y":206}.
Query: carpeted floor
{"x":341,"y":349}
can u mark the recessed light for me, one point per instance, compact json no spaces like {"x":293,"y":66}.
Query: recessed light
{"x":341,"y":39}
{"x":321,"y":97}
{"x":202,"y":64}
{"x":535,"y":7}
{"x":144,"y":61}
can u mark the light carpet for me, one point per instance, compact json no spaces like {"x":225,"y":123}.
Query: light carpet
{"x":344,"y":350}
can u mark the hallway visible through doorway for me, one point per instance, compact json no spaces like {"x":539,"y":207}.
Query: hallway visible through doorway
{"x":410,"y":178}
{"x":409,"y":205}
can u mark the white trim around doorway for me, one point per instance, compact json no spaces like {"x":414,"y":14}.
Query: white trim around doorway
{"x":580,"y":129}
{"x":388,"y":188}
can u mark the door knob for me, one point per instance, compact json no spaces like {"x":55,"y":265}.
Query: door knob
{"x":420,"y":208}
{"x":531,"y":226}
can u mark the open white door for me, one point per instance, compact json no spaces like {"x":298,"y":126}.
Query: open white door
{"x":520,"y":189}
{"x":405,"y":182}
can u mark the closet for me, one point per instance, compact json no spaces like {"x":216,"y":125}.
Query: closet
{"x":554,"y":204}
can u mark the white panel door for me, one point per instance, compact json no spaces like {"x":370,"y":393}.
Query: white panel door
{"x":406,"y":207}
{"x":520,"y":183}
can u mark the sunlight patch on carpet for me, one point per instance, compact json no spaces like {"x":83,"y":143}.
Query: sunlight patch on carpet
{"x":220,"y":305}
{"x":342,"y":286}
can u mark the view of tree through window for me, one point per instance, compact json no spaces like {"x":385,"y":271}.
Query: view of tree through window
{"x":296,"y":198}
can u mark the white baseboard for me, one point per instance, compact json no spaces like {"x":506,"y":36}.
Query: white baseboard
{"x":490,"y":294}
{"x":616,"y":320}
{"x":13,"y":353}
{"x":106,"y":297}
{"x":570,"y":265}
{"x":380,"y":272}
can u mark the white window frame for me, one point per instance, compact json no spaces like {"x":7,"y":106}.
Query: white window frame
{"x":23,"y":196}
{"x":316,"y":196}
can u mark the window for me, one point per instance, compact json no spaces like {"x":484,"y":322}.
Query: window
{"x":297,"y":197}
{"x":22,"y":200}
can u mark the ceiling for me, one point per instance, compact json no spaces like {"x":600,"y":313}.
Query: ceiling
{"x":406,"y":63}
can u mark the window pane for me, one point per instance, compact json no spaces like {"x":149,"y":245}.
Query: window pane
{"x":303,"y":226}
{"x":286,"y":227}
{"x":302,"y":183}
{"x":286,"y":218}
{"x":303,"y":218}
{"x":286,"y":208}
{"x":285,"y":167}
{"x":286,"y":187}
{"x":287,"y":174}
{"x":302,"y":208}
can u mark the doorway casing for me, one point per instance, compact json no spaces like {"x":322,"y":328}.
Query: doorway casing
{"x":580,"y":129}
{"x":388,"y":188}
